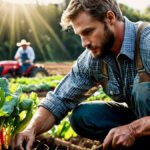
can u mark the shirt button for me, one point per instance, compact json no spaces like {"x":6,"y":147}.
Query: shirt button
{"x":111,"y":93}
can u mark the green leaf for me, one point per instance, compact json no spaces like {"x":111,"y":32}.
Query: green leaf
{"x":34,"y":98}
{"x":4,"y":85}
{"x":8,"y":106}
{"x":25,"y":104}
{"x":67,"y":126}
{"x":18,"y":91}
{"x":61,"y":128}
{"x":2,"y":97}
{"x":69,"y":133}
{"x":23,"y":123}
{"x":16,"y":111}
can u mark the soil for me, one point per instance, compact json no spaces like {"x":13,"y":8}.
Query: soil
{"x":45,"y":142}
{"x":58,"y":68}
{"x":78,"y":143}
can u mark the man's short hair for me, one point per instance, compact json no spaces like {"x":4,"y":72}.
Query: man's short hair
{"x":96,"y":8}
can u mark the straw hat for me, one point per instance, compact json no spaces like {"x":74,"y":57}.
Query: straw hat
{"x":23,"y":42}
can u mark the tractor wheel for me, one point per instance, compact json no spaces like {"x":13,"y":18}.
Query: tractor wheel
{"x":38,"y":72}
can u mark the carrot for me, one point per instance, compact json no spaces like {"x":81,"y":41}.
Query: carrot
{"x":1,"y":136}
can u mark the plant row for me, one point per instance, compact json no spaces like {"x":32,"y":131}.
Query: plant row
{"x":36,"y":84}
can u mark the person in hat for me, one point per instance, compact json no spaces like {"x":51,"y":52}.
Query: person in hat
{"x":25,"y":55}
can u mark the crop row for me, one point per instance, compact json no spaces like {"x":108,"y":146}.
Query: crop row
{"x":36,"y":84}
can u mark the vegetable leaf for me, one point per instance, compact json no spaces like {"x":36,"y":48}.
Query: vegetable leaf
{"x":2,"y":97}
{"x":4,"y":85}
{"x":8,"y":106}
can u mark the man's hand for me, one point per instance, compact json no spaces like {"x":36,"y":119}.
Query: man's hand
{"x":120,"y":137}
{"x":42,"y":121}
{"x":26,"y":136}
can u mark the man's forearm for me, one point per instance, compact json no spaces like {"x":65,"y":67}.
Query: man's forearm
{"x":42,"y":121}
{"x":141,"y":127}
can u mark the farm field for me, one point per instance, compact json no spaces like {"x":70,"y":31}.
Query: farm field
{"x":61,"y":137}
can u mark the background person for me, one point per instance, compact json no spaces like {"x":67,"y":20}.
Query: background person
{"x":108,"y":38}
{"x":25,"y":55}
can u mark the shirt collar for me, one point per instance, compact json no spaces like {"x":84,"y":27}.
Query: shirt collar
{"x":128,"y":44}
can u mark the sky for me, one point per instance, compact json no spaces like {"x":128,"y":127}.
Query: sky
{"x":136,"y":4}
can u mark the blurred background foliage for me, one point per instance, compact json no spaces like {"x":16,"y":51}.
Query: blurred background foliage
{"x":39,"y":24}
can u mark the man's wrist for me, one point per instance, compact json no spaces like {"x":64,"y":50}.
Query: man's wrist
{"x":31,"y":129}
{"x":133,"y":131}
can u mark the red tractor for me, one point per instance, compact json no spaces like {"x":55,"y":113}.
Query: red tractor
{"x":10,"y":69}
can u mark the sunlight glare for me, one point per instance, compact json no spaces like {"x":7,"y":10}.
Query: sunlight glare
{"x":34,"y":1}
{"x":140,"y":4}
{"x":20,"y":1}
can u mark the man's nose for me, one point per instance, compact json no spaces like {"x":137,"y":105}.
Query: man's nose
{"x":85,"y":42}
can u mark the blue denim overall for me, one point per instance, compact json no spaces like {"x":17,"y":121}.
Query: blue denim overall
{"x":25,"y":65}
{"x":141,"y":97}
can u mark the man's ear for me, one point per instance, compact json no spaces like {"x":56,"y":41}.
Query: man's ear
{"x":110,"y":17}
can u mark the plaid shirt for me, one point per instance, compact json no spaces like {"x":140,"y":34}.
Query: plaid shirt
{"x":86,"y":75}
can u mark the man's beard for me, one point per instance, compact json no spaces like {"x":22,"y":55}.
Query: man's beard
{"x":107,"y":43}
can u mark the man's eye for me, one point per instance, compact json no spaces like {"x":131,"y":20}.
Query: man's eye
{"x":87,"y":32}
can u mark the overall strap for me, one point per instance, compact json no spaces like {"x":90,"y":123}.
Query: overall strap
{"x":143,"y":75}
{"x":104,"y":72}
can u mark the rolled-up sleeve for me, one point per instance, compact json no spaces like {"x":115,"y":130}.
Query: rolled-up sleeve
{"x":73,"y":89}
